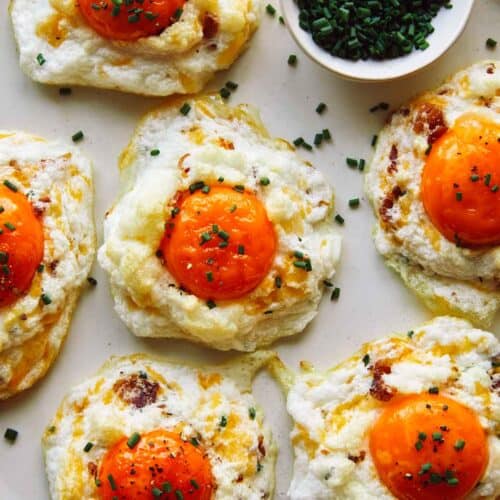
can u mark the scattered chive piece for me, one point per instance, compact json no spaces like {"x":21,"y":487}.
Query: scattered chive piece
{"x":491,"y":43}
{"x":41,"y":60}
{"x":335,"y":294}
{"x":239,"y":187}
{"x":474,"y":178}
{"x":156,"y":492}
{"x":366,"y":359}
{"x":178,"y":13}
{"x":205,"y":189}
{"x":298,"y":142}
{"x":292,"y":60}
{"x":419,"y":445}
{"x":361,"y":165}
{"x":459,"y":444}
{"x":194,"y":484}
{"x":458,"y":196}
{"x":46,"y":299}
{"x":65,"y":91}
{"x":298,"y":254}
{"x":223,"y":244}
{"x":278,"y":282}
{"x":252,"y":412}
{"x":223,"y":235}
{"x":225,"y":93}
{"x":339,"y":219}
{"x":220,"y":179}
{"x":281,"y":20}
{"x":133,"y":18}
{"x":437,"y":436}
{"x":185,"y":109}
{"x":78,"y":136}
{"x":133,"y":440}
{"x":327,"y":283}
{"x":88,"y":447}
{"x":98,"y":482}
{"x":270,"y":9}
{"x":495,"y":188}
{"x":10,"y":185}
{"x":231,"y":85}
{"x":211,"y":304}
{"x":204,"y":238}
{"x":326,"y":134}
{"x":425,"y":468}
{"x":351,"y":162}
{"x":194,"y":441}
{"x":112,"y":482}
{"x":10,"y":435}
{"x":318,"y":139}
{"x":241,"y":250}
{"x":166,"y":487}
{"x":91,"y":281}
{"x":264,"y":181}
{"x":374,"y":141}
{"x":452,"y":481}
{"x":422,"y":436}
{"x":179,"y":495}
{"x":10,"y":226}
{"x":223,"y":421}
{"x":410,"y":334}
{"x":233,"y":208}
{"x":487,"y":179}
{"x":434,"y":390}
{"x":154,"y":152}
{"x":321,"y":108}
{"x":354,"y":202}
{"x":40,"y":268}
{"x":210,"y":276}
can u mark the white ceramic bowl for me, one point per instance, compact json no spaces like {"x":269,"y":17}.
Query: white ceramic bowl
{"x":448,"y":24}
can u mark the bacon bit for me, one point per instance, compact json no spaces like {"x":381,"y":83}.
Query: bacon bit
{"x":224,"y":143}
{"x":379,"y":390}
{"x":388,"y":203}
{"x":136,"y":391}
{"x":210,"y":25}
{"x":490,"y":69}
{"x":262,"y":448}
{"x":53,"y":265}
{"x":92,"y":468}
{"x":44,"y":199}
{"x":239,"y":479}
{"x":430,"y":119}
{"x":393,"y":156}
{"x":358,"y":458}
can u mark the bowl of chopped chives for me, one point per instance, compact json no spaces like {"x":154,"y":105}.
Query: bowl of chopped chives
{"x":375,"y":40}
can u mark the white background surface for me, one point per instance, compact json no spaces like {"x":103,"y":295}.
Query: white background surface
{"x":373,"y":301}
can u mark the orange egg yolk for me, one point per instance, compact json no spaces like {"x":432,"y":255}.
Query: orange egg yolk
{"x":160,"y":465}
{"x":130,"y":19}
{"x":428,"y":447}
{"x":461,"y":182}
{"x":219,"y":244}
{"x":21,"y":244}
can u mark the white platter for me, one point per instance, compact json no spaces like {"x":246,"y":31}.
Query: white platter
{"x":373,"y":301}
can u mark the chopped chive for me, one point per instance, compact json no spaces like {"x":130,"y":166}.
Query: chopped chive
{"x":41,"y":60}
{"x":487,"y":179}
{"x":437,"y":436}
{"x":351,"y":162}
{"x":10,"y":226}
{"x":278,"y":282}
{"x":252,"y":412}
{"x":318,"y":139}
{"x":474,"y":178}
{"x":491,"y":43}
{"x":220,"y":179}
{"x":223,"y":421}
{"x":326,"y":134}
{"x":223,"y":235}
{"x":452,"y":481}
{"x":225,"y":93}
{"x":154,"y":152}
{"x":361,"y":165}
{"x":193,"y":440}
{"x":459,"y":444}
{"x":205,"y":189}
{"x":233,"y":208}
{"x":298,"y":142}
{"x":458,"y":196}
{"x":156,"y":492}
{"x":339,"y":219}
{"x":374,"y":141}
{"x":241,"y":250}
{"x":264,"y":181}
{"x":281,"y":20}
{"x":178,"y":13}
{"x":223,"y":244}
{"x":270,"y":9}
{"x":335,"y":294}
{"x":205,"y":237}
{"x":185,"y":109}
{"x":422,"y":436}
{"x":239,"y":187}
{"x":133,"y":440}
{"x":495,"y":188}
{"x":434,"y":390}
{"x":194,"y":484}
{"x":231,"y":85}
{"x":166,"y":487}
{"x":179,"y":495}
{"x":10,"y":185}
{"x":321,"y":108}
{"x":46,"y":299}
{"x":10,"y":435}
{"x":210,"y":276}
{"x":410,"y":334}
{"x":88,"y":447}
{"x":211,"y":304}
{"x":354,"y":202}
{"x":425,"y":468}
{"x":292,"y":60}
{"x":112,"y":482}
{"x":419,"y":445}
{"x":133,"y":18}
{"x":78,"y":136}
{"x":196,"y":186}
{"x":366,"y":359}
{"x":298,"y":254}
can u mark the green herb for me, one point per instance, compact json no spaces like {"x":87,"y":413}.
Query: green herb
{"x":65,"y":91}
{"x":194,"y":484}
{"x":133,"y":440}
{"x":270,"y":9}
{"x":196,"y":186}
{"x":151,"y":16}
{"x":474,"y":178}
{"x":495,"y":188}
{"x":231,"y":85}
{"x":177,"y":14}
{"x":264,"y":181}
{"x":233,"y":208}
{"x":278,"y":282}
{"x":185,"y":109}
{"x":46,"y":299}
{"x":425,"y":468}
{"x":41,"y":60}
{"x":298,"y":142}
{"x":292,"y":60}
{"x":211,"y":304}
{"x":205,"y":189}
{"x":10,"y":185}
{"x":335,"y":294}
{"x":434,"y":390}
{"x":452,"y":481}
{"x":487,"y":179}
{"x":194,"y":441}
{"x":205,"y":237}
{"x":156,"y":492}
{"x":491,"y":43}
{"x":223,"y":421}
{"x":91,"y":281}
{"x":459,"y":444}
{"x":225,"y":93}
{"x":419,"y":445}
{"x":318,"y":139}
{"x":10,"y":226}
{"x":10,"y":435}
{"x":410,"y":334}
{"x":437,"y":436}
{"x":239,"y":187}
{"x":366,"y":359}
{"x":354,"y":202}
{"x":435,"y":478}
{"x":154,"y":152}
{"x":351,"y":162}
{"x":88,"y":447}
{"x":112,"y":482}
{"x":223,"y":235}
{"x":374,"y":141}
{"x":422,"y":436}
{"x":220,"y":179}
{"x":339,"y":219}
{"x":166,"y":487}
{"x":179,"y":495}
{"x":40,"y":268}
{"x":241,"y":250}
{"x":133,"y":18}
{"x":458,"y":196}
{"x":252,"y":412}
{"x":4,"y":257}
{"x":78,"y":136}
{"x":361,"y":164}
{"x":326,"y":134}
{"x":321,"y":108}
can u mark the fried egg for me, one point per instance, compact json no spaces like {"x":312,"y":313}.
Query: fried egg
{"x":413,"y":417}
{"x":148,"y":428}
{"x":148,"y":47}
{"x":221,"y":235}
{"x":434,"y":183}
{"x":47,"y":246}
